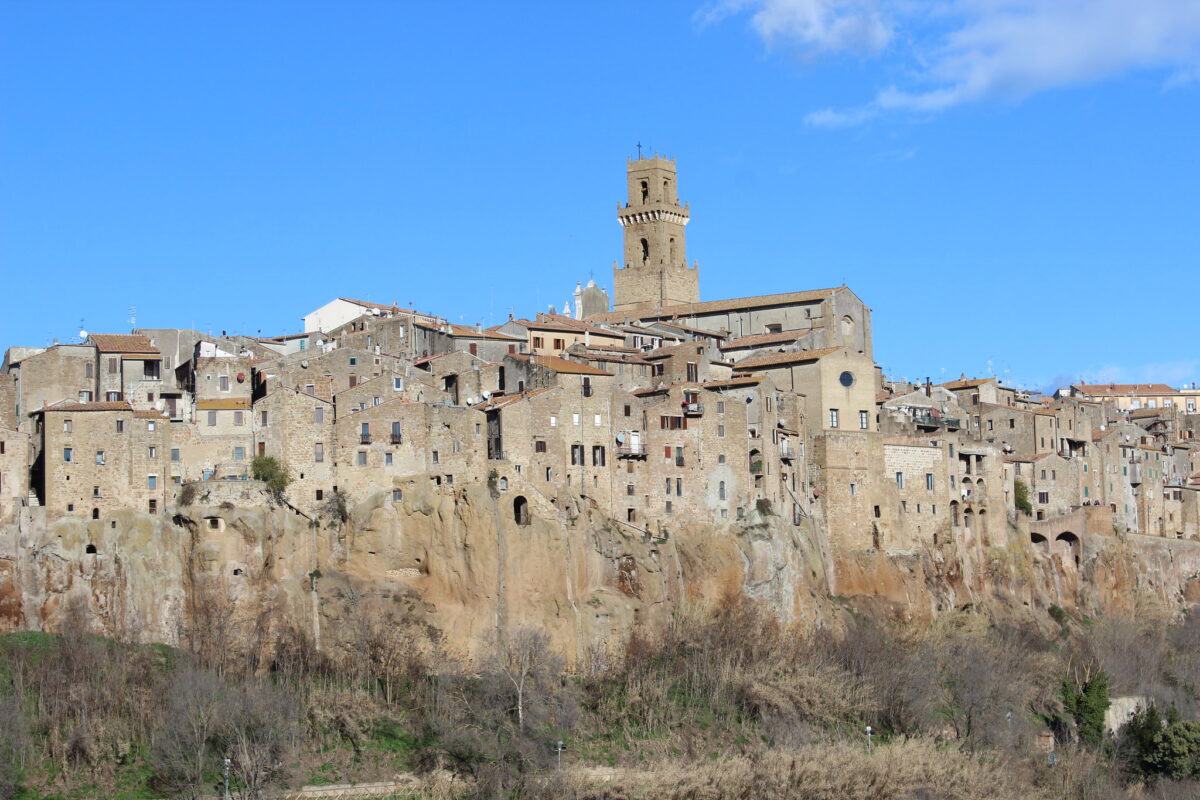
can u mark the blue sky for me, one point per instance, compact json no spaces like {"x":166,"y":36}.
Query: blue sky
{"x":1004,"y":181}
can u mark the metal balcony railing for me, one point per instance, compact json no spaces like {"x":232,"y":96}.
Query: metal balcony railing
{"x":693,"y":409}
{"x":631,"y":450}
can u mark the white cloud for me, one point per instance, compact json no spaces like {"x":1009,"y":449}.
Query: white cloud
{"x":965,"y":51}
{"x":829,"y":26}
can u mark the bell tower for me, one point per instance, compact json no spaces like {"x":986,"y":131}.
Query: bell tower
{"x":655,"y":272}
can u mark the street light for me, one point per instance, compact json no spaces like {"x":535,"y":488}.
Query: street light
{"x":560,"y":747}
{"x":870,"y":731}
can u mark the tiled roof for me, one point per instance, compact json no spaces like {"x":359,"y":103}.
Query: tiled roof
{"x":563,"y":365}
{"x":775,"y":359}
{"x":615,"y":358}
{"x":74,"y":406}
{"x":734,"y":383}
{"x":965,"y":383}
{"x":1141,"y":413}
{"x":123,"y":343}
{"x":223,"y":404}
{"x":505,"y":400}
{"x":717,"y":306}
{"x":671,"y":349}
{"x":760,"y":339}
{"x":1117,"y":389}
{"x":155,"y":414}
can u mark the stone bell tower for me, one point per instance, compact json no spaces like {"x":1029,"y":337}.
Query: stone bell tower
{"x":655,"y":272}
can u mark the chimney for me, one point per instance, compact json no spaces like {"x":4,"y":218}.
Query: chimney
{"x":928,"y":387}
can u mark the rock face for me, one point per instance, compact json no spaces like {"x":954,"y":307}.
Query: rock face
{"x":470,"y":561}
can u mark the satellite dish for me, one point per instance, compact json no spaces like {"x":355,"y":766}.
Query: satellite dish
{"x":304,"y":363}
{"x":83,"y":335}
{"x":620,"y":438}
{"x":487,"y":395}
{"x":472,"y":401}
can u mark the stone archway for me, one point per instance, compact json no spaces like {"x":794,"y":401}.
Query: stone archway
{"x":1067,"y":545}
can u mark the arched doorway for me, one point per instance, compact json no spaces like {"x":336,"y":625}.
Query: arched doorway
{"x":1039,"y":542}
{"x":521,"y":510}
{"x":1066,"y":544}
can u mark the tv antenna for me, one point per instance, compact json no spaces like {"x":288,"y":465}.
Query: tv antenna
{"x":132,"y":316}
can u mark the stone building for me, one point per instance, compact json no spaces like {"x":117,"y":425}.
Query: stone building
{"x":101,"y":457}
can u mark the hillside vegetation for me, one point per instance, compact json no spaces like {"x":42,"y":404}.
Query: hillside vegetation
{"x":727,"y":703}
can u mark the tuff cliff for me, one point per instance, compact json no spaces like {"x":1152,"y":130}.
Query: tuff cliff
{"x":461,"y":560}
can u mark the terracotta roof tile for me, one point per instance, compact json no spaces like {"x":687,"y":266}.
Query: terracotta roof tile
{"x":760,"y":339}
{"x":563,"y":365}
{"x":1117,"y":389}
{"x":775,"y":359}
{"x":224,"y":404}
{"x":74,"y":406}
{"x":123,"y":343}
{"x":717,"y":306}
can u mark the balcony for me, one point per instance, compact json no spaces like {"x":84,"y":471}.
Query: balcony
{"x":786,"y":450}
{"x":935,"y":421}
{"x":756,"y":467}
{"x":694,"y":409}
{"x":396,"y":439}
{"x":365,"y":438}
{"x":636,"y":450}
{"x":679,"y":461}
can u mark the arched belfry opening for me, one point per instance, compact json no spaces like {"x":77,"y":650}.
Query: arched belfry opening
{"x":645,"y":192}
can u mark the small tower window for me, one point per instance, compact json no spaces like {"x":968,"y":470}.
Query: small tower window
{"x":645,"y":191}
{"x":645,"y":250}
{"x":673,"y":256}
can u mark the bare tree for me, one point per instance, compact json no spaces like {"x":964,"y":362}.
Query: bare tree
{"x":189,"y":745}
{"x":524,"y":659}
{"x":261,"y":728}
{"x":14,"y":746}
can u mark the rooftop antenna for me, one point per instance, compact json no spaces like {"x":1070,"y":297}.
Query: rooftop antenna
{"x":133,"y":316}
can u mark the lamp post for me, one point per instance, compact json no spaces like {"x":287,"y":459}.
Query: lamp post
{"x":870,"y":744}
{"x":559,"y":748}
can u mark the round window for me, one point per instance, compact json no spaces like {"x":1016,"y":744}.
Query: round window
{"x":847,"y":379}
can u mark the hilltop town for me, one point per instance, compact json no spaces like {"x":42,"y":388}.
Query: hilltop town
{"x":655,"y":409}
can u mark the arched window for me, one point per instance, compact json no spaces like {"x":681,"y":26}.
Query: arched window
{"x":673,"y":256}
{"x":90,"y":549}
{"x":645,"y":191}
{"x":95,"y":513}
{"x":847,"y":327}
{"x":721,"y":490}
{"x":645,"y":250}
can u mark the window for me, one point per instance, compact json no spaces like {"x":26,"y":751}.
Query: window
{"x":397,"y":495}
{"x":1043,"y":497}
{"x":721,"y":458}
{"x":114,"y":366}
{"x":596,"y":421}
{"x":668,"y":508}
{"x":679,"y":487}
{"x":597,"y":455}
{"x":262,"y":419}
{"x":212,"y":419}
{"x":66,"y":426}
{"x":95,"y":491}
{"x":120,"y":426}
{"x":833,"y":417}
{"x":310,"y":388}
{"x":668,"y":489}
{"x":560,"y":344}
{"x":376,"y":400}
{"x":900,"y":479}
{"x":153,"y":453}
{"x":88,"y":370}
{"x":576,"y":455}
{"x":362,"y":458}
{"x":553,"y":421}
{"x":175,"y":454}
{"x":549,"y":473}
{"x":397,"y":384}
{"x":436,"y":457}
{"x":224,"y":383}
{"x":864,"y":420}
{"x":628,"y":411}
{"x":387,"y":459}
{"x":929,"y":481}
{"x":853,"y":489}
{"x":353,"y":361}
{"x":692,"y":372}
{"x":538,"y":342}
{"x":629,"y":489}
{"x":100,"y":457}
{"x":239,"y":454}
{"x":396,"y":436}
{"x":111,"y":397}
{"x":239,"y":418}
{"x":574,"y":419}
{"x":353,"y":381}
{"x":990,"y":425}
{"x":720,"y":406}
{"x":85,"y":397}
{"x":720,"y":431}
{"x":319,"y":414}
{"x":151,"y":481}
{"x":539,"y":446}
{"x":721,"y":490}
{"x":364,"y":432}
{"x":319,"y":452}
{"x":152,"y":507}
